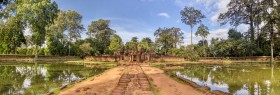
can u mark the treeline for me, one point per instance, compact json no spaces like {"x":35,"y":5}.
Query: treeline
{"x":261,"y":39}
{"x":57,"y":32}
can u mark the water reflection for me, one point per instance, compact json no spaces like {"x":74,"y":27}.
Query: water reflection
{"x":34,"y":79}
{"x":258,"y":79}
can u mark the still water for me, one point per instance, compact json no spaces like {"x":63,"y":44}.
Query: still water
{"x":38,"y":79}
{"x":252,"y":79}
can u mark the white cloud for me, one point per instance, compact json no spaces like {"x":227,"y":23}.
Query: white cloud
{"x":221,"y":7}
{"x":166,"y":15}
{"x":243,"y":28}
{"x":217,"y":33}
{"x":211,"y":8}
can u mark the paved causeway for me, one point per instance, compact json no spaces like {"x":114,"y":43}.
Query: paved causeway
{"x":133,"y":82}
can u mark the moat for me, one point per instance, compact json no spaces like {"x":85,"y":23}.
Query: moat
{"x":246,"y":79}
{"x":38,"y":79}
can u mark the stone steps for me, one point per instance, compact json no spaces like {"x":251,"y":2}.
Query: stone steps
{"x":133,"y":82}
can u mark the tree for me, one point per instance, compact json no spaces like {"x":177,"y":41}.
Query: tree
{"x":233,"y":34}
{"x":168,"y":38}
{"x":101,"y":31}
{"x":4,"y":3}
{"x":134,"y":40}
{"x":145,"y":43}
{"x":116,"y":43}
{"x":271,"y":18}
{"x":56,"y":46}
{"x":70,"y":22}
{"x":202,"y":31}
{"x":148,"y":40}
{"x":241,"y":12}
{"x":191,"y":17}
{"x":14,"y":32}
{"x":85,"y":48}
{"x":38,"y":15}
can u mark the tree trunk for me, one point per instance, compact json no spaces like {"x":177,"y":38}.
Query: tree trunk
{"x":15,"y":48}
{"x":271,"y":43}
{"x":69,"y":47}
{"x":191,"y":34}
{"x":36,"y":52}
{"x":203,"y":46}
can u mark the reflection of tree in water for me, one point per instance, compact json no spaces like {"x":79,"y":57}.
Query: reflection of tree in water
{"x":10,"y":80}
{"x":254,"y":79}
{"x":41,"y":78}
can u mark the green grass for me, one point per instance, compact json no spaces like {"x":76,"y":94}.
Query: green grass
{"x":171,"y":63}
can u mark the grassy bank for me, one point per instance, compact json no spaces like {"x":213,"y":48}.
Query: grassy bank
{"x":30,"y":58}
{"x":208,"y":62}
{"x":93,"y":63}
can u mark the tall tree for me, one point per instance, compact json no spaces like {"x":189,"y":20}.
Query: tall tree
{"x":191,"y":17}
{"x":69,"y":23}
{"x":271,"y":18}
{"x":202,"y":31}
{"x":37,"y":14}
{"x":15,"y":29}
{"x":101,"y":31}
{"x":241,"y":12}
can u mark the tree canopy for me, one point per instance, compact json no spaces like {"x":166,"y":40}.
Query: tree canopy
{"x":191,"y":16}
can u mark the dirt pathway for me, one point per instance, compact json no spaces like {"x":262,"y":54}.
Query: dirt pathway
{"x":97,"y":85}
{"x":167,"y":86}
{"x":130,"y":80}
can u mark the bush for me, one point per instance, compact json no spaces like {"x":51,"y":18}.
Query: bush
{"x":21,"y":51}
{"x":188,"y":52}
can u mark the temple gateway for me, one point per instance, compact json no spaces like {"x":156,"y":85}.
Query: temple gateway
{"x":134,"y":55}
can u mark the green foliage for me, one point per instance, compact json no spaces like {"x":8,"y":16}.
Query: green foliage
{"x":85,"y":49}
{"x":11,"y":33}
{"x":233,"y":34}
{"x":134,"y":40}
{"x":202,"y":31}
{"x":67,"y":22}
{"x":167,"y":38}
{"x":191,"y":16}
{"x":21,"y":51}
{"x":188,"y":52}
{"x":116,"y":43}
{"x":55,"y":46}
{"x":129,"y":45}
{"x":101,"y":31}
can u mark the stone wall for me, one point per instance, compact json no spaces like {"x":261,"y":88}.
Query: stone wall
{"x":126,"y":58}
{"x":101,"y":58}
{"x":40,"y":58}
{"x":254,"y":58}
{"x":168,"y":59}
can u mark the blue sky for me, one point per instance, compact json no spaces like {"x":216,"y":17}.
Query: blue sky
{"x":142,"y":17}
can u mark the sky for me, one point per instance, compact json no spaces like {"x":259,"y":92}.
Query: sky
{"x":141,"y":18}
